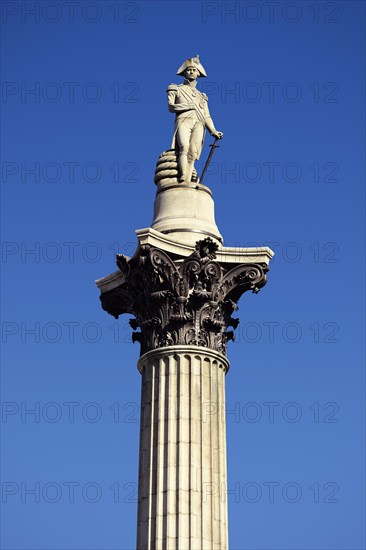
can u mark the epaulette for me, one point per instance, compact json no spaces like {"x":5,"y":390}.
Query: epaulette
{"x":172,"y":88}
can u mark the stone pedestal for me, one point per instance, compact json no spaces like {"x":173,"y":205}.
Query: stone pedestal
{"x":182,"y":286}
{"x":185,"y":212}
{"x":182,"y":450}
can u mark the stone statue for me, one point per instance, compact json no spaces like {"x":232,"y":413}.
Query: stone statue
{"x":192,"y":117}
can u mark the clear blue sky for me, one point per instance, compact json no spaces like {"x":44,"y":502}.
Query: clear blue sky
{"x":286,"y":86}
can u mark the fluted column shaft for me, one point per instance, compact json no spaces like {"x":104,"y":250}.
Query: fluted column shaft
{"x":182,"y":471}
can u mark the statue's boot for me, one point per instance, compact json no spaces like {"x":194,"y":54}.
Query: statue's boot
{"x":189,"y":171}
{"x":182,"y":166}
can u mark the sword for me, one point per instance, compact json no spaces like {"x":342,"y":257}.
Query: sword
{"x":213,"y":147}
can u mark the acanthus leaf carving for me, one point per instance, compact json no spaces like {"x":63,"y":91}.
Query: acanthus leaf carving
{"x":187,"y":302}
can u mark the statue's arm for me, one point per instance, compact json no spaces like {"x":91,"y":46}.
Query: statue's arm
{"x":177,"y":107}
{"x":208,"y":120}
{"x":210,"y":125}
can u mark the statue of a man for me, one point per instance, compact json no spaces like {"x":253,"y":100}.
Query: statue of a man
{"x":192,"y":117}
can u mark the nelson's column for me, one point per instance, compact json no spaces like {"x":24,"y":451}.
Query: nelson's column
{"x":182,"y":286}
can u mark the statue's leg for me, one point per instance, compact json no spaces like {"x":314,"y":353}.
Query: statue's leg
{"x":183,"y":140}
{"x":195,"y":148}
{"x":189,"y":169}
{"x":182,"y":165}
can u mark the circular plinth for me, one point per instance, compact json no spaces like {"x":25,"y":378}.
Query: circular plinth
{"x":185,"y":211}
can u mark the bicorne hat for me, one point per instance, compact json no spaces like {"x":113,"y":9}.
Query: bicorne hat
{"x":192,"y":62}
